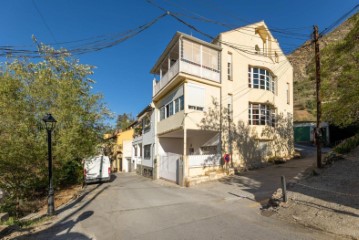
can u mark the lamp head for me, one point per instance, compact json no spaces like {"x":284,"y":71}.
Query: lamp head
{"x":50,"y":122}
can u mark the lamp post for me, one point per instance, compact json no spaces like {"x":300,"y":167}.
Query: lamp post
{"x":50,"y":123}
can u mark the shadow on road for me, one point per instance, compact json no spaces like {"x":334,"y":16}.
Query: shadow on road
{"x":263,"y":182}
{"x":61,"y":229}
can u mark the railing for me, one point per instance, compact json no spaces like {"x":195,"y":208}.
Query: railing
{"x":200,"y":71}
{"x":186,"y":67}
{"x":167,"y":77}
{"x":204,"y":160}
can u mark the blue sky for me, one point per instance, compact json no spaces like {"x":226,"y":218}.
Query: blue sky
{"x":122,"y":72}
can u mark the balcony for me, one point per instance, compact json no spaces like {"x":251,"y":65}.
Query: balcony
{"x":188,"y":55}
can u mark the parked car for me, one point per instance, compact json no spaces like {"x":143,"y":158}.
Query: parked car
{"x":97,"y":169}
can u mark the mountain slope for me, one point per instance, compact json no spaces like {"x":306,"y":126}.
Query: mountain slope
{"x":303,"y":63}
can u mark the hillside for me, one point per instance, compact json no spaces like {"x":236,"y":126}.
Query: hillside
{"x":302,"y":60}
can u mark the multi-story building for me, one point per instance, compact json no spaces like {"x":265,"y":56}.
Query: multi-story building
{"x":189,"y":73}
{"x":121,"y":151}
{"x":143,"y":145}
{"x":257,"y":82}
{"x":243,"y":69}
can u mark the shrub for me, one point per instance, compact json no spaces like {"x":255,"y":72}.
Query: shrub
{"x":347,"y":145}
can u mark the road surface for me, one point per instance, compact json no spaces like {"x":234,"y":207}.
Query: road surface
{"x":134,"y":207}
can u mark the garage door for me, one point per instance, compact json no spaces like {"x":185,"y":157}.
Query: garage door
{"x":169,"y":167}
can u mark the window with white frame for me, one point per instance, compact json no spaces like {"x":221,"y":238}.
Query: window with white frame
{"x":195,"y":96}
{"x":200,"y":55}
{"x":135,"y":150}
{"x":181,"y":99}
{"x":229,"y":66}
{"x":162,"y":113}
{"x":261,"y":78}
{"x":261,"y":114}
{"x":172,"y":108}
{"x":147,"y":151}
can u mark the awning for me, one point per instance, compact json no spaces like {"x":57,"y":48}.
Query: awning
{"x":214,"y":141}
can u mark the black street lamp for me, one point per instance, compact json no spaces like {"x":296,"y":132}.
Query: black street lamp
{"x":50,"y":123}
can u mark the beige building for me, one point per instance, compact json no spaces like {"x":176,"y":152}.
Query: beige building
{"x":257,"y":81}
{"x":243,"y":69}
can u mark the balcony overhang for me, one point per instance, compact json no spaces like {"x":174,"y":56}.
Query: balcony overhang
{"x":179,"y":133}
{"x":156,"y":68}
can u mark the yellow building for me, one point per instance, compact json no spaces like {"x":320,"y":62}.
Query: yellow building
{"x":122,"y":150}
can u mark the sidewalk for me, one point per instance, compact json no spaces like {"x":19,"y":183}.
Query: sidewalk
{"x":329,"y":201}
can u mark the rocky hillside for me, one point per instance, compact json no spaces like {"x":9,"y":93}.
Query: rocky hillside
{"x":303,"y":63}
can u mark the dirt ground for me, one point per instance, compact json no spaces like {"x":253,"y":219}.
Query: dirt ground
{"x":328,"y":200}
{"x":39,"y":219}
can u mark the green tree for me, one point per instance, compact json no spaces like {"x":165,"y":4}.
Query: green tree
{"x":276,"y":141}
{"x":124,"y":121}
{"x":340,"y":74}
{"x":60,"y":85}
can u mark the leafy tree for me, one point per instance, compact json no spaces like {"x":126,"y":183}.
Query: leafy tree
{"x":59,"y":85}
{"x":124,"y":121}
{"x":281,"y":136}
{"x":340,"y":74}
{"x":244,"y":138}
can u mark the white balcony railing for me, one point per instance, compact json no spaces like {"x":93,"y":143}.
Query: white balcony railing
{"x":204,"y":160}
{"x":167,"y":77}
{"x":185,"y":67}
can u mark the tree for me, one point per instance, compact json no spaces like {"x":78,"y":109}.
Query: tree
{"x":281,"y":136}
{"x":59,"y":85}
{"x":340,"y":73}
{"x":124,"y":121}
{"x":278,"y":140}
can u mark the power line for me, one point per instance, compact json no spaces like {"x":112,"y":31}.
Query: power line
{"x":98,"y":43}
{"x":338,"y":21}
{"x":44,"y":21}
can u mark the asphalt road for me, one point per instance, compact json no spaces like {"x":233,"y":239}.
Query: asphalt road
{"x":134,"y":207}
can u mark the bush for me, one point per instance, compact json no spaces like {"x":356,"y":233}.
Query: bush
{"x":347,"y":145}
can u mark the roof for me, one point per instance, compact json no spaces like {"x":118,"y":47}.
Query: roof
{"x":172,"y":43}
{"x":146,"y":109}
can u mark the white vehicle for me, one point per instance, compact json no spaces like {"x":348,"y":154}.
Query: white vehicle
{"x":97,"y":169}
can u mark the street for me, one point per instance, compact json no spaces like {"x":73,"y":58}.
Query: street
{"x":134,"y":207}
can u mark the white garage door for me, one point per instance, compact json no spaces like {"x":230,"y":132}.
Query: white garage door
{"x":169,"y":166}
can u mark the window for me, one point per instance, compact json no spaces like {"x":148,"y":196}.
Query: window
{"x":135,"y":150}
{"x":162,"y":113}
{"x":288,"y":93}
{"x":191,"y":52}
{"x":229,"y":66}
{"x":276,"y":57}
{"x":168,"y":110}
{"x":146,"y":124}
{"x":261,"y":114}
{"x":210,"y":58}
{"x":200,"y":55}
{"x":177,"y":105}
{"x":181,"y":98}
{"x":147,"y":151}
{"x":172,"y":108}
{"x":261,"y":79}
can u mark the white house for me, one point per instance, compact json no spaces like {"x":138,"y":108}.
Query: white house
{"x":143,"y":145}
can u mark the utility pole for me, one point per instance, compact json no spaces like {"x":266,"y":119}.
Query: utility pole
{"x":317,"y":78}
